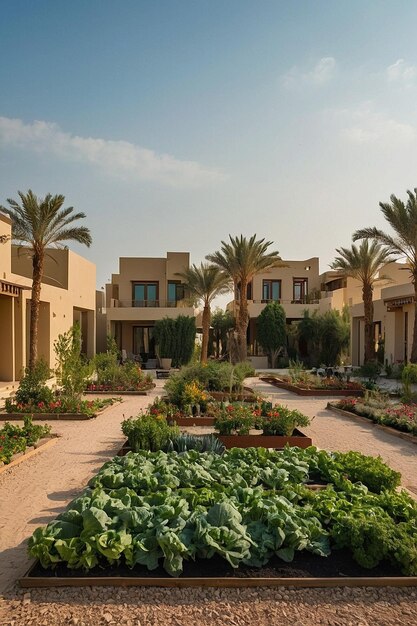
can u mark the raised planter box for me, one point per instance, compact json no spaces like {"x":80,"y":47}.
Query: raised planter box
{"x":388,"y":429}
{"x":29,"y":452}
{"x":212,"y":573}
{"x":297,"y":439}
{"x":281,"y":384}
{"x":18,"y":417}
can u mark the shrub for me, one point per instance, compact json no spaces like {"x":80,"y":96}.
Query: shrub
{"x":282,"y":421}
{"x":408,"y":377}
{"x":32,"y":388}
{"x":149,"y":432}
{"x":212,"y":376}
{"x":371,"y":370}
{"x":235,"y":419}
{"x":72,"y":372}
{"x":176,"y":339}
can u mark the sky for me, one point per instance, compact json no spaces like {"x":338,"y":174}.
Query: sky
{"x":174,"y":123}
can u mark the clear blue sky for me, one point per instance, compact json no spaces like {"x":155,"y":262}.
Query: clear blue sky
{"x":174,"y":123}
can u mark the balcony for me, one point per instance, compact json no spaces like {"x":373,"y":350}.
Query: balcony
{"x":167,"y":304}
{"x":147,"y":310}
{"x":292,"y":308}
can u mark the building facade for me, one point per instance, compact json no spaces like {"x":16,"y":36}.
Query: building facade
{"x":145,"y":290}
{"x":298,"y":286}
{"x":67,"y":296}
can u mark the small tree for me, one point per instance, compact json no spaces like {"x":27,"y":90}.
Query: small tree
{"x":334,"y":336}
{"x":222,"y":322}
{"x":271,"y":331}
{"x":175,"y":339}
{"x":71,"y":372}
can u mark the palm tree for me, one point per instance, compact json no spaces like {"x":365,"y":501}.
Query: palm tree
{"x":364,"y":263}
{"x":40,"y":223}
{"x":205,"y":283}
{"x":403,"y":220}
{"x":242,"y":259}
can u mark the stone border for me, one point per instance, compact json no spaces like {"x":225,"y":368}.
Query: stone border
{"x":366,"y":420}
{"x":30,"y":451}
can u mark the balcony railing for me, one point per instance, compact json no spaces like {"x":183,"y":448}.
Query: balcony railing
{"x":169,"y":304}
{"x":306,"y":300}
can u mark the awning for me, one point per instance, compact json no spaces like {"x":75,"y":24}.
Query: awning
{"x":398,"y":303}
{"x":11,"y":289}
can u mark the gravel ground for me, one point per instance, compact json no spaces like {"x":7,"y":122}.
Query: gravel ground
{"x":26,"y":502}
{"x":217,"y":607}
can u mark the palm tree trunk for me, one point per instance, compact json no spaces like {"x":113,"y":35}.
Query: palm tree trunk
{"x":242,"y":322}
{"x":368,"y":306}
{"x":206,"y":332}
{"x":413,"y":357}
{"x":37,"y":264}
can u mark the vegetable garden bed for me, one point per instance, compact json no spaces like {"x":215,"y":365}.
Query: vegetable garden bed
{"x":388,"y":429}
{"x":19,"y":415}
{"x":30,"y":451}
{"x":244,"y":518}
{"x":14,"y":417}
{"x":281,"y":384}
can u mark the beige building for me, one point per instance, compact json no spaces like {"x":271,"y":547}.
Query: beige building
{"x":298,"y":286}
{"x":145,"y":290}
{"x":295,"y":285}
{"x":68,"y":295}
{"x":393,"y":322}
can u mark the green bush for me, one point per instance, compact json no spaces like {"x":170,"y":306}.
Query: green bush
{"x":214,"y":376}
{"x":147,"y":432}
{"x":32,"y":388}
{"x":370,"y":370}
{"x":283,"y":421}
{"x":72,"y":371}
{"x":408,"y":378}
{"x":175,"y":339}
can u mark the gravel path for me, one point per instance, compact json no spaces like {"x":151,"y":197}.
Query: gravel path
{"x":33,"y":492}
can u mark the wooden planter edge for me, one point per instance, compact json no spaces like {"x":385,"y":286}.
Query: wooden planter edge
{"x":29,"y":582}
{"x":32,"y":450}
{"x":266,"y":441}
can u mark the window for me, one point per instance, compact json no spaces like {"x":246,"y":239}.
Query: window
{"x":145,"y":294}
{"x":144,"y":342}
{"x":175,"y":292}
{"x":300,"y":288}
{"x":271,"y":290}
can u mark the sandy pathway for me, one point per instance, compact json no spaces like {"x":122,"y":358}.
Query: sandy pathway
{"x":34,"y":492}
